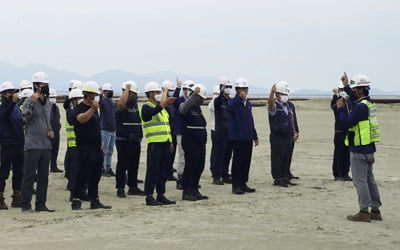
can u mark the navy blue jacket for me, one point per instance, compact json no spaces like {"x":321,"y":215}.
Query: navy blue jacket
{"x":281,"y":124}
{"x":178,"y":124}
{"x":359,"y":112}
{"x":241,"y":122}
{"x":129,"y":124}
{"x":107,"y":114}
{"x":11,"y":126}
{"x":221,"y":114}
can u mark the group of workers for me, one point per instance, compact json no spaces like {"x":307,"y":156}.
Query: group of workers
{"x":172,"y":121}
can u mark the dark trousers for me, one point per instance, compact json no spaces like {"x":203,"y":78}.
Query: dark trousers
{"x":36,"y":166}
{"x":281,"y":156}
{"x":128,"y":155}
{"x":89,"y":172}
{"x":195,"y":156}
{"x":11,"y":155}
{"x":172,"y":156}
{"x":55,"y":143}
{"x":212,"y":154}
{"x":71,"y":165}
{"x":222,"y":154}
{"x":242,"y":151}
{"x":157,"y":167}
{"x":341,"y":156}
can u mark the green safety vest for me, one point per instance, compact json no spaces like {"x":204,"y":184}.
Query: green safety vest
{"x":157,"y":129}
{"x":364,"y":132}
{"x":71,"y":138}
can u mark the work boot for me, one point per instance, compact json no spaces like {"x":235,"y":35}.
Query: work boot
{"x":247,"y":189}
{"x":347,"y":178}
{"x":96,"y":204}
{"x":56,"y":170}
{"x":199,"y":196}
{"x":136,"y":191}
{"x":288,"y":182}
{"x":3,"y":205}
{"x":291,"y":177}
{"x":110,"y":172}
{"x":227,"y":179}
{"x":76,"y":204}
{"x":16,"y":199}
{"x":164,"y":200}
{"x":375,"y":215}
{"x":237,"y":190}
{"x":280,"y":182}
{"x":150,"y":201}
{"x":26,"y":208}
{"x":339,"y":178}
{"x":188,"y":196}
{"x":360,"y":216}
{"x":217,"y":181}
{"x":121,"y":193}
{"x":42,"y":208}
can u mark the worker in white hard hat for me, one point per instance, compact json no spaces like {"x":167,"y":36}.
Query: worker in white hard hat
{"x":220,"y":147}
{"x":194,"y":139}
{"x":36,"y":114}
{"x":362,"y":134}
{"x":107,"y":126}
{"x":25,"y":84}
{"x":155,"y":120}
{"x":73,"y":84}
{"x":12,"y":143}
{"x":241,"y":135}
{"x":216,"y":91}
{"x":56,"y":126}
{"x":90,"y":153}
{"x":284,"y":132}
{"x":129,"y":135}
{"x":341,"y":154}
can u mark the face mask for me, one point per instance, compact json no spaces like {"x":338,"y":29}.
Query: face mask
{"x":284,"y":98}
{"x":97,"y":98}
{"x":227,"y":91}
{"x":157,"y":97}
{"x":344,"y":95}
{"x":132,"y":99}
{"x":109,"y":94}
{"x":45,"y":90}
{"x":53,"y":100}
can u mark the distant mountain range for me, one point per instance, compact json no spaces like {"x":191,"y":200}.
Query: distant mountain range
{"x":60,"y":79}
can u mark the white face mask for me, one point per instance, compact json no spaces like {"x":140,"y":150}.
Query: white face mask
{"x":53,"y":100}
{"x":344,"y":95}
{"x":97,"y":98}
{"x":157,"y":97}
{"x":284,"y":98}
{"x":227,"y":91}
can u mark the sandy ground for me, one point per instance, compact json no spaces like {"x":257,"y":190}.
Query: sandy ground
{"x":311,"y":215}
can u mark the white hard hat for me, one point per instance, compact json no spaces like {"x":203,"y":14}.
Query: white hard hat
{"x":241,"y":83}
{"x":71,"y":84}
{"x":25,"y":84}
{"x":224,"y":80}
{"x":216,"y":89}
{"x":359,"y":81}
{"x":77,"y":84}
{"x":8,"y":86}
{"x":107,"y":86}
{"x":134,"y":88}
{"x":90,"y":87}
{"x":52,"y":93}
{"x":187,"y":84}
{"x":75,"y":93}
{"x":171,"y":86}
{"x":203,"y":90}
{"x":26,"y":93}
{"x":40,"y":77}
{"x":152,"y":86}
{"x":282,"y":87}
{"x":340,"y":85}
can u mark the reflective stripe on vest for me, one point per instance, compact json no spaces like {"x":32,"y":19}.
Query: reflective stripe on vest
{"x":157,"y":129}
{"x":365,"y":132}
{"x":71,"y":138}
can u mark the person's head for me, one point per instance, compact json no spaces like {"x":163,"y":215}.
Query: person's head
{"x":74,"y":96}
{"x":171,"y":86}
{"x":108,"y":90}
{"x":360,"y":85}
{"x":225,"y":85}
{"x":201,"y":90}
{"x":7,"y":90}
{"x":282,"y":91}
{"x":90,"y":91}
{"x":25,"y":84}
{"x":187,"y":88}
{"x":53,"y":96}
{"x":133,"y":91}
{"x":241,"y":85}
{"x":153,"y":91}
{"x":41,"y":83}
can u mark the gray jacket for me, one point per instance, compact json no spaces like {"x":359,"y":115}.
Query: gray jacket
{"x":37,"y":124}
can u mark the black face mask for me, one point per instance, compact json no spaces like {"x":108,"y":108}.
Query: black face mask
{"x":109,"y":94}
{"x":45,"y":90}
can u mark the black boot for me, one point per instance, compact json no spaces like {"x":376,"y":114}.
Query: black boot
{"x":247,"y":189}
{"x":96,"y":204}
{"x":16,"y":199}
{"x":121,"y":193}
{"x":136,"y":191}
{"x":76,"y":204}
{"x":237,"y":190}
{"x":150,"y":201}
{"x":164,"y":200}
{"x":43,"y":208}
{"x":199,"y":196}
{"x":188,"y":196}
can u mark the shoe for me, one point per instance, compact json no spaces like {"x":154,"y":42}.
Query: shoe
{"x":339,"y":178}
{"x":136,"y":191}
{"x":139,"y":181}
{"x":280,"y":182}
{"x":179,"y":185}
{"x":56,"y":170}
{"x":43,"y":208}
{"x":291,"y":177}
{"x":164,"y":200}
{"x":26,"y":209}
{"x":105,"y":173}
{"x":150,"y":201}
{"x":375,"y":215}
{"x":188,"y":196}
{"x":199,"y":196}
{"x":121,"y":193}
{"x":227,"y":179}
{"x":76,"y":204}
{"x":347,"y":178}
{"x":111,"y":172}
{"x":360,"y":216}
{"x":237,"y":190}
{"x":247,"y":189}
{"x":16,"y":199}
{"x":171,"y":178}
{"x":217,"y":181}
{"x":96,"y":204}
{"x":288,"y":182}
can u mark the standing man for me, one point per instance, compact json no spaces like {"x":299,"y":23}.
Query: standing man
{"x":56,"y":126}
{"x":128,"y":138}
{"x":36,"y":114}
{"x":12,"y":143}
{"x":159,"y":143}
{"x":107,"y":126}
{"x":194,"y":139}
{"x":241,"y":134}
{"x":90,"y":153}
{"x":362,"y":134}
{"x":284,"y":132}
{"x":216,"y":91}
{"x":341,"y":154}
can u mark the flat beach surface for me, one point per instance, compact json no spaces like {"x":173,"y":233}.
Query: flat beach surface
{"x":311,"y":215}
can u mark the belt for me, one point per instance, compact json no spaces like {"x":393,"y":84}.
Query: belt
{"x":195,"y":127}
{"x":131,"y":124}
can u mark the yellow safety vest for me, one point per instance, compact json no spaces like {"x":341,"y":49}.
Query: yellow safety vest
{"x":71,"y":138}
{"x":157,"y":129}
{"x":367,"y":131}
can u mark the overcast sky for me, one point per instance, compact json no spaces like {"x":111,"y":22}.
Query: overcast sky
{"x":308,"y":43}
